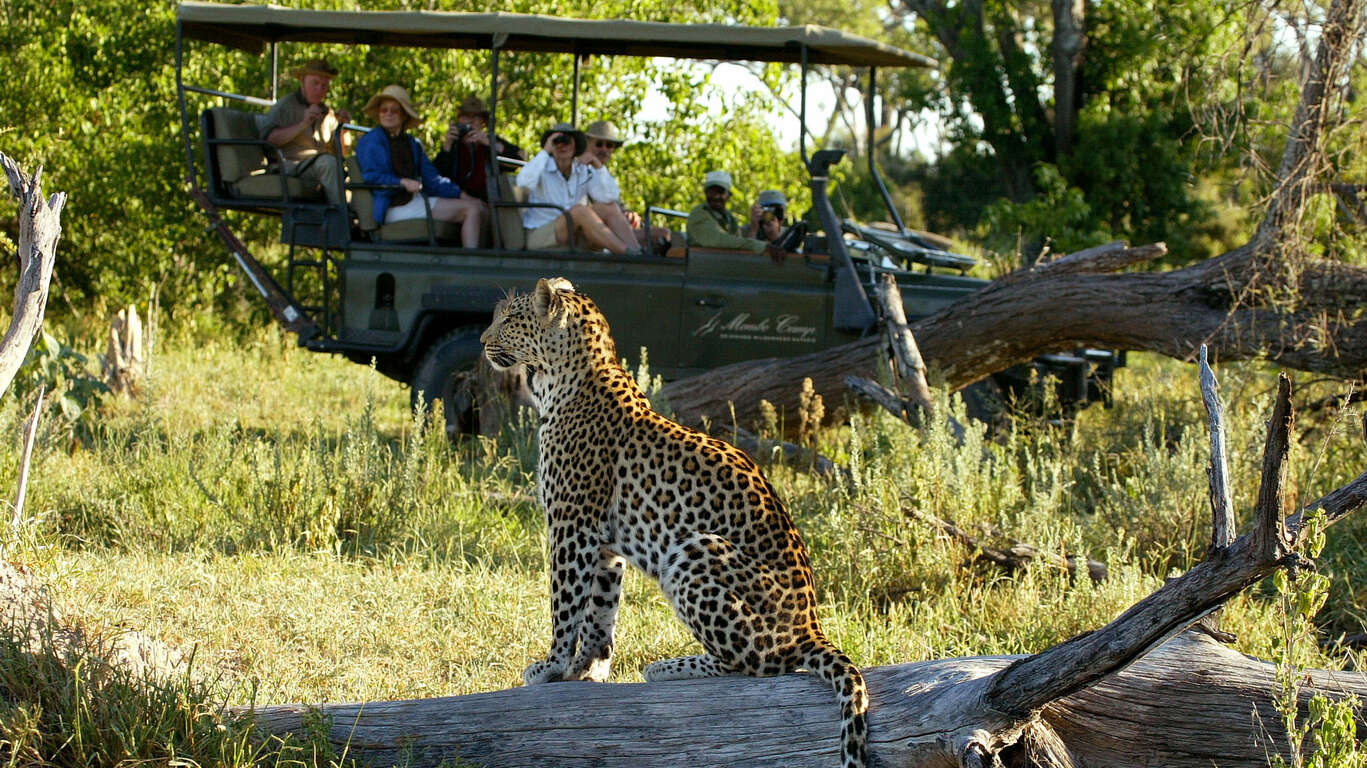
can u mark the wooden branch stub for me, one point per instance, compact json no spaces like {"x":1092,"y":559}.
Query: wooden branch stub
{"x":882,"y":396}
{"x":1271,"y":540}
{"x":40,"y":226}
{"x":1018,"y":556}
{"x":1221,"y":507}
{"x":906,"y":362}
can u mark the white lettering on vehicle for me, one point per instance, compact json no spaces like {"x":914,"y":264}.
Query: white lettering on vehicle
{"x":742,"y":326}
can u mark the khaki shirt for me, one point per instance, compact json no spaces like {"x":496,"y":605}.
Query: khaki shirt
{"x":709,"y":229}
{"x":289,"y":111}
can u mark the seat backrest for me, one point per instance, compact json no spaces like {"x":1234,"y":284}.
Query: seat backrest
{"x":236,"y":161}
{"x":510,"y":219}
{"x":362,"y":202}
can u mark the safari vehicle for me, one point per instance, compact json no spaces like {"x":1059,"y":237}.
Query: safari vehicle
{"x":408,"y":297}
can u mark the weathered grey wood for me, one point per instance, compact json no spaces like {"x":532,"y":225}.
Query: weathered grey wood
{"x":25,"y":457}
{"x":1072,"y":665}
{"x":1018,"y":556}
{"x":1189,"y":703}
{"x":880,"y":395}
{"x":1221,"y":508}
{"x":905,"y":360}
{"x":40,"y":226}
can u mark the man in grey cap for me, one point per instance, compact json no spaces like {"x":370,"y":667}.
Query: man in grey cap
{"x":767,"y":216}
{"x":710,"y":225}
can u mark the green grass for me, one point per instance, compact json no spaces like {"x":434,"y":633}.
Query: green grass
{"x":280,"y":513}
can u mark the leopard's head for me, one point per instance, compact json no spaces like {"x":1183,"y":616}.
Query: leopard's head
{"x":544,"y":328}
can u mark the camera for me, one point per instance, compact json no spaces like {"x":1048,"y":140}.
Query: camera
{"x":462,"y":129}
{"x":773,"y":211}
{"x":562,"y":138}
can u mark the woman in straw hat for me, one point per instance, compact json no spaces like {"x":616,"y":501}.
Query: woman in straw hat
{"x":389,"y":155}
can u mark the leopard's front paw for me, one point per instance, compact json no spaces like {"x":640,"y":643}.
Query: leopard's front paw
{"x":543,"y":672}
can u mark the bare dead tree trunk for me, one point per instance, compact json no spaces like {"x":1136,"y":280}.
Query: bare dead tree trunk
{"x":1103,"y":698}
{"x":40,"y":226}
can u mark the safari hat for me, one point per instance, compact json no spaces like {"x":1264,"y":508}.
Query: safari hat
{"x":580,"y":141}
{"x":473,"y":105}
{"x":319,"y":67}
{"x":772,"y":197}
{"x":398,"y":94}
{"x":717,"y":179}
{"x":604,"y":131}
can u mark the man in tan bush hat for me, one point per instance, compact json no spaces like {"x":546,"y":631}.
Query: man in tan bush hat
{"x":302,"y":126}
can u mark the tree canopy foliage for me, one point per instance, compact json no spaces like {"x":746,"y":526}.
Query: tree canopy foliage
{"x":1077,"y":122}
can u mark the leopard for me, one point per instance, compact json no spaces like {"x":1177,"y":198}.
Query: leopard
{"x":620,"y":483}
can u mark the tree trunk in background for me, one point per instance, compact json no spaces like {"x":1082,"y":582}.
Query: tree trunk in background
{"x":1059,"y":307}
{"x":1070,"y":39}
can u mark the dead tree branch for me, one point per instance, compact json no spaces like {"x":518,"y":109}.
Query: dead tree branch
{"x":40,"y":226}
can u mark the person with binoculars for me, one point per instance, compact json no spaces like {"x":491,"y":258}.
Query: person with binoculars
{"x":464,"y":155}
{"x":553,"y":177}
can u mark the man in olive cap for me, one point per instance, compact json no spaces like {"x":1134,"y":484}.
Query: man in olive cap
{"x":302,"y":126}
{"x":711,"y":225}
{"x":464,"y":155}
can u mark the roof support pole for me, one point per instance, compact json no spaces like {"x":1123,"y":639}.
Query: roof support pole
{"x":492,"y":172}
{"x":802,"y":114}
{"x":275,"y":68}
{"x":873,"y":166}
{"x":184,"y":116}
{"x":574,"y":98}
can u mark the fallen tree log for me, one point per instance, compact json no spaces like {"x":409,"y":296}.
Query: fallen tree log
{"x":1266,"y":299}
{"x":1093,"y":700}
{"x":1191,"y":703}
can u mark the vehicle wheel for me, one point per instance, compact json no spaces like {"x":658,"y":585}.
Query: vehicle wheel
{"x":445,"y":379}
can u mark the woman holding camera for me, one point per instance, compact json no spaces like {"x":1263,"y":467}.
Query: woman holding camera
{"x":389,"y":155}
{"x":464,"y":155}
{"x":553,"y":177}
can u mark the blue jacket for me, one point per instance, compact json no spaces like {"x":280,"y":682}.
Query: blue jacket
{"x":372,"y":152}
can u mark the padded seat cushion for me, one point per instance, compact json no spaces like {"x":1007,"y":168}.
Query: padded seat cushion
{"x":267,"y":185}
{"x":237,"y":160}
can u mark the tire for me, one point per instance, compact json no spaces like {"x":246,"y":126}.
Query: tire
{"x":445,"y":379}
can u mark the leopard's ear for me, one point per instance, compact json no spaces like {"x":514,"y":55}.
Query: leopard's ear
{"x":547,"y":301}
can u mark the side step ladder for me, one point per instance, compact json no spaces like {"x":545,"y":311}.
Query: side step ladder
{"x":288,"y":312}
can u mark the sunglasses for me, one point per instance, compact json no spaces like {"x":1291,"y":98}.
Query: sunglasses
{"x":606,"y":144}
{"x":562,"y":139}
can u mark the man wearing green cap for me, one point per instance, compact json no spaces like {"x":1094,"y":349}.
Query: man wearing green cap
{"x":710,"y":225}
{"x":302,"y":126}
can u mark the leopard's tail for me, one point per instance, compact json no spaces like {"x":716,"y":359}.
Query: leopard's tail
{"x":833,"y":666}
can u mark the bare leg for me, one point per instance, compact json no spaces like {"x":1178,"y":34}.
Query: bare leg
{"x":588,"y":223}
{"x":612,"y":216}
{"x":469,"y":211}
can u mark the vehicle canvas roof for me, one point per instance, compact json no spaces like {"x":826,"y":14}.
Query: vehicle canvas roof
{"x":252,"y":27}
